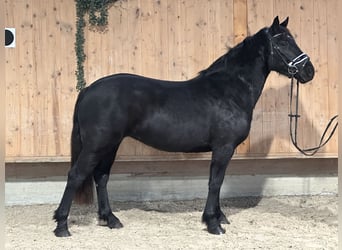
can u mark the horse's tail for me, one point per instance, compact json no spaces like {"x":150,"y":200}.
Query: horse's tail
{"x":84,"y":194}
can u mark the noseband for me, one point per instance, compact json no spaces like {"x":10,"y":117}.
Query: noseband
{"x":293,"y":65}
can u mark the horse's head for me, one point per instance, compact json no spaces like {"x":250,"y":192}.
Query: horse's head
{"x":285,"y":56}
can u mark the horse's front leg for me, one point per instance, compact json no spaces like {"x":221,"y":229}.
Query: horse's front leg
{"x":212,"y":215}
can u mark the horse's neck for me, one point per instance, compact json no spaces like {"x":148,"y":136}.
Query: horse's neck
{"x":241,"y":73}
{"x":253,"y":74}
{"x":254,"y":79}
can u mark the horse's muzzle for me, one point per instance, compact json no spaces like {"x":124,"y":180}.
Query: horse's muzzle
{"x":306,"y":73}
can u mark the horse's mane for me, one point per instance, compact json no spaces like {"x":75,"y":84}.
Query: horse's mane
{"x":221,"y":64}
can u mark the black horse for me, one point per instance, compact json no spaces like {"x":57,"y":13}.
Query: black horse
{"x":211,"y":112}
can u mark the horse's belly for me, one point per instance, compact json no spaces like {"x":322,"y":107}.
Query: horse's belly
{"x":173,"y":138}
{"x":174,"y":146}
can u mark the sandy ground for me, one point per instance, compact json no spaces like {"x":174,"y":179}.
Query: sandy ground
{"x":256,"y":223}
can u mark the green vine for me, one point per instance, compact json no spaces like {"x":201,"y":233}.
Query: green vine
{"x":97,"y":11}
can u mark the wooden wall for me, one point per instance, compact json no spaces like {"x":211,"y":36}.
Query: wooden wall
{"x":167,"y":39}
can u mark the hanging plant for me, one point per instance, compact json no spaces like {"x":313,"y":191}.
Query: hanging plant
{"x":97,"y":11}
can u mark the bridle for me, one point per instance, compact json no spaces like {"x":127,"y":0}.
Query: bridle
{"x":294,"y":66}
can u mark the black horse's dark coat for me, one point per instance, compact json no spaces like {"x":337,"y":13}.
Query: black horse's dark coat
{"x":211,"y":112}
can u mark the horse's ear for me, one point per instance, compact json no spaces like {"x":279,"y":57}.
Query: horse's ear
{"x":275,"y":23}
{"x":286,"y":21}
{"x":275,"y":26}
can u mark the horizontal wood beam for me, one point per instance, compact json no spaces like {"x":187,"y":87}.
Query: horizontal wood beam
{"x":292,"y":167}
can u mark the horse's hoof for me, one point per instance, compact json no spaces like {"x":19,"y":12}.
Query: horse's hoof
{"x":217,"y":230}
{"x":62,"y":233}
{"x":116,"y":224}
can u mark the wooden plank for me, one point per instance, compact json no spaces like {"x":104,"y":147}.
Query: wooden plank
{"x":175,"y":57}
{"x":65,"y":21}
{"x":26,"y":98}
{"x":57,"y":68}
{"x":198,"y":48}
{"x":117,"y":40}
{"x":52,"y":122}
{"x":183,"y":29}
{"x":220,"y":28}
{"x":13,"y":87}
{"x":44,"y":52}
{"x":161,"y":37}
{"x":240,"y":20}
{"x":333,"y":66}
{"x":149,"y":63}
{"x":320,"y":84}
{"x":135,"y":34}
{"x":195,"y":43}
{"x":93,"y":65}
{"x":292,"y":167}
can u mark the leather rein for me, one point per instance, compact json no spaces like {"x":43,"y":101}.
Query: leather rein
{"x":294,"y":116}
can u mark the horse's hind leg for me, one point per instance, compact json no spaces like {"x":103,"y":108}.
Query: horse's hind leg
{"x":82,"y":168}
{"x":101,"y":176}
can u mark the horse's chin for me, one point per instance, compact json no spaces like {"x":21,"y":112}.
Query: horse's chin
{"x":303,"y":80}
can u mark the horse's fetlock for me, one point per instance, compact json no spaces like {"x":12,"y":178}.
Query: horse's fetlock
{"x":208,"y":217}
{"x":58,"y":216}
{"x":104,"y":215}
